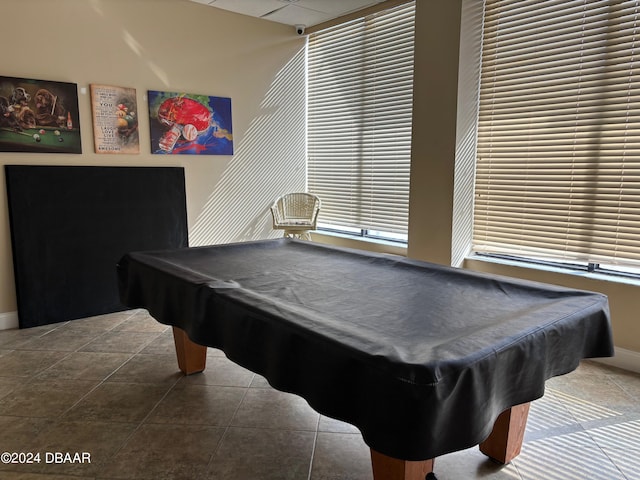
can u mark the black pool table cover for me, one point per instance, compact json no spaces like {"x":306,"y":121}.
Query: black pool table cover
{"x":421,"y":358}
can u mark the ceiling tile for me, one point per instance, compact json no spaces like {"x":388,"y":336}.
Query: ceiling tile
{"x":292,"y":12}
{"x":337,"y":7}
{"x":295,"y":15}
{"x":254,"y":8}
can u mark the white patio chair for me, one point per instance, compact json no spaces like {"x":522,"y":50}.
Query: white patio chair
{"x":296,"y":214}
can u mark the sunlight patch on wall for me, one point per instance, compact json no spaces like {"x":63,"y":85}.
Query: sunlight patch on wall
{"x":137,"y":48}
{"x":269,"y":161}
{"x":467,"y":114}
{"x":95,"y":4}
{"x":133,"y":44}
{"x":159,"y":72}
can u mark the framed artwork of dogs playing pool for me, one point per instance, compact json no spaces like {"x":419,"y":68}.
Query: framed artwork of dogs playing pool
{"x":39,"y":116}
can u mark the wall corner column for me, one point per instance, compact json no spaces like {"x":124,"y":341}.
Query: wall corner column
{"x":436,"y":65}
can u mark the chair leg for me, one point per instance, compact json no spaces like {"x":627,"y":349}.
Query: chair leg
{"x":304,"y":235}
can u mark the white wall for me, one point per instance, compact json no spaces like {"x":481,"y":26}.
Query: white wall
{"x":171,"y":45}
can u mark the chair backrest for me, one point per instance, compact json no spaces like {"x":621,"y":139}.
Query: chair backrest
{"x":296,"y":206}
{"x":299,"y":205}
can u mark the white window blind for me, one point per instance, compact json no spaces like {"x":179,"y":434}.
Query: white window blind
{"x":558,"y":162}
{"x":360,"y":92}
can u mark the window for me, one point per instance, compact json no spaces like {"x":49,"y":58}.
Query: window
{"x":558,"y":157}
{"x":360,"y":93}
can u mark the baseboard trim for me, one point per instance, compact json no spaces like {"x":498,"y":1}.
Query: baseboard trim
{"x":625,"y":359}
{"x":8,"y":320}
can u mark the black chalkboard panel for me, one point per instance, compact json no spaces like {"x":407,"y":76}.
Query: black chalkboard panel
{"x":70,"y":226}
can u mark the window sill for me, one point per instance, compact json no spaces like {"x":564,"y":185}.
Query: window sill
{"x":593,"y":276}
{"x":362,"y":243}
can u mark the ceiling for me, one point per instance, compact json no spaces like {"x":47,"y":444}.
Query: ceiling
{"x":292,"y":12}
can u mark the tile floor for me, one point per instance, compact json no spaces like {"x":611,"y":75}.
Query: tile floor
{"x":109,"y":386}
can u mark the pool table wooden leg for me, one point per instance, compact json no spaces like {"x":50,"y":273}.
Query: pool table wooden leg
{"x":192,"y":358}
{"x":505,"y":441}
{"x":389,"y":468}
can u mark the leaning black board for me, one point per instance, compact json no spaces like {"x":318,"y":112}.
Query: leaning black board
{"x":71,"y":224}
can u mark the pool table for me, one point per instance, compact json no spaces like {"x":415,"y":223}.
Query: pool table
{"x":424,"y":359}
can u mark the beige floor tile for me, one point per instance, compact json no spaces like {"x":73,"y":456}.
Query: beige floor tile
{"x":143,"y":323}
{"x":331,"y":425}
{"x":247,"y":453}
{"x":161,"y":369}
{"x":341,"y":457}
{"x":100,"y":323}
{"x":570,"y":456}
{"x":95,"y":444}
{"x":45,"y":398}
{"x":118,"y":402}
{"x":39,"y":476}
{"x":223,"y":372}
{"x":268,"y":408}
{"x":17,"y":433}
{"x":8,"y":384}
{"x":25,"y":363}
{"x":550,"y":413}
{"x":629,"y":382}
{"x":591,"y":390}
{"x":198,"y":405}
{"x":180,"y":452}
{"x":161,"y":345}
{"x":120,"y":342}
{"x":86,"y":366}
{"x":15,"y":336}
{"x":472,"y":463}
{"x":62,"y":340}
